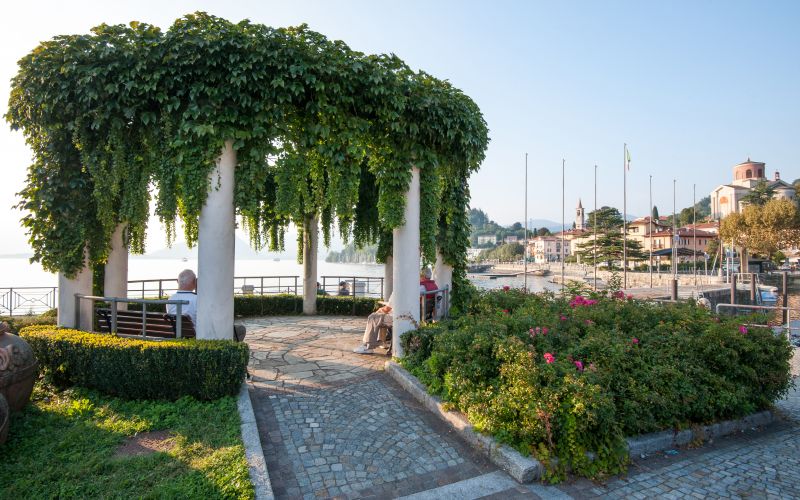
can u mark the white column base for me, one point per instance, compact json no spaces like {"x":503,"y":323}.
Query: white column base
{"x":310,"y":240}
{"x":405,"y":307}
{"x":67,"y":288}
{"x":216,"y":252}
{"x":388,"y":277}
{"x":115,"y":282}
{"x":443,"y":276}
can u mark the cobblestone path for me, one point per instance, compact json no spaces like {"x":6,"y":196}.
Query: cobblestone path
{"x":334,"y":425}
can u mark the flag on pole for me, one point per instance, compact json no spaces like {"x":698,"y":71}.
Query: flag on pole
{"x":628,"y":154}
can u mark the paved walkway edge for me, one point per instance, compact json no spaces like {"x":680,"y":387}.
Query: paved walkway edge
{"x":256,"y":463}
{"x":665,"y":440}
{"x":523,"y":469}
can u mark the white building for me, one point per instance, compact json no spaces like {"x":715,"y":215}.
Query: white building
{"x":544,"y":249}
{"x":727,"y":198}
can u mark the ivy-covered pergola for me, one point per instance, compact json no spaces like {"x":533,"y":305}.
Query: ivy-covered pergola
{"x":216,"y":119}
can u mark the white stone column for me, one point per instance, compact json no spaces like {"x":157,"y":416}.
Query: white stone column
{"x":388,"y":277}
{"x":216,"y":252}
{"x":67,"y":288}
{"x":310,"y":239}
{"x":443,"y":276}
{"x":115,"y":282}
{"x":405,"y":312}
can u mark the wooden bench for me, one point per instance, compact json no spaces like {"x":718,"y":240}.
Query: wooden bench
{"x":156,"y":324}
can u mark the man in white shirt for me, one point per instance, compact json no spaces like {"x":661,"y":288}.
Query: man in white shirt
{"x":187,"y":282}
{"x":380,"y":318}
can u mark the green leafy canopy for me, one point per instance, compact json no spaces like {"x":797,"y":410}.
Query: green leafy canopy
{"x":127,"y":113}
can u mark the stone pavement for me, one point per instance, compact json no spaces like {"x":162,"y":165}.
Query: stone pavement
{"x":332,"y":424}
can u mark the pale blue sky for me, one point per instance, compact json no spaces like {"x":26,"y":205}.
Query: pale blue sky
{"x":693,"y":87}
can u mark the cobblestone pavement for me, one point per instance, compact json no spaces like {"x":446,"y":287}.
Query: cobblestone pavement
{"x":334,"y":425}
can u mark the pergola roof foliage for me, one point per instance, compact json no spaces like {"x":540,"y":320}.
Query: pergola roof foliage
{"x":129,"y":112}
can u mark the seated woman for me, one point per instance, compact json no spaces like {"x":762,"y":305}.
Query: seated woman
{"x":344,"y":288}
{"x":380,"y":318}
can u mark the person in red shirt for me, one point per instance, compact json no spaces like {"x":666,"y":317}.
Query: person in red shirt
{"x":426,"y":284}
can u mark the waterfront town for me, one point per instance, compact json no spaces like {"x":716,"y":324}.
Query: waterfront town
{"x":358,"y":250}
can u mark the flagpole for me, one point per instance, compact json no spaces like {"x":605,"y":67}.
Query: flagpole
{"x":525,"y":252}
{"x":694,"y":232}
{"x":624,"y":216}
{"x":650,"y":227}
{"x":594,"y":226}
{"x":674,"y":233}
{"x":562,"y":224}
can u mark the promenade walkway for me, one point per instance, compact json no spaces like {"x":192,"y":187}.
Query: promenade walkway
{"x":332,"y":424}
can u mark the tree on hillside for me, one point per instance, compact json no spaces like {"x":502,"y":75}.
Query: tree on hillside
{"x":508,"y":251}
{"x":543,"y":231}
{"x":478,"y":218}
{"x":654,"y":215}
{"x":516,"y":226}
{"x":760,"y":195}
{"x":763,"y":229}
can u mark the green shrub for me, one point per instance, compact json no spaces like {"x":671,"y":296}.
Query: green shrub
{"x":286,"y":305}
{"x":16,"y":323}
{"x":618,"y":368}
{"x":139,"y":369}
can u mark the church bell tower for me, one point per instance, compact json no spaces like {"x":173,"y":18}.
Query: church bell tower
{"x":580,"y":216}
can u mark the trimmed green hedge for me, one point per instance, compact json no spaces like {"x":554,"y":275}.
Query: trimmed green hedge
{"x":140,"y":369}
{"x":16,"y":323}
{"x":288,"y":305}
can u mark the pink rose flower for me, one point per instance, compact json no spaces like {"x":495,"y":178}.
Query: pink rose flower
{"x":634,"y":341}
{"x":563,"y":318}
{"x":579,"y":366}
{"x":743,"y":330}
{"x":549,"y":358}
{"x":505,"y":311}
{"x":545,"y":330}
{"x":506,"y":288}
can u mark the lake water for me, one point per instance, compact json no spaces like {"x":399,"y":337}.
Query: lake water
{"x":18,"y":272}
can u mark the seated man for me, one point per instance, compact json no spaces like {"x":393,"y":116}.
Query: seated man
{"x":344,"y":288}
{"x":187,"y":282}
{"x":380,"y":318}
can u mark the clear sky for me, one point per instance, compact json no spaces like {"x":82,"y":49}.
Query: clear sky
{"x":693,"y":87}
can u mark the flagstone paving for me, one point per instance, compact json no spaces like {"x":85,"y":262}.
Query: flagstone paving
{"x":333,"y":424}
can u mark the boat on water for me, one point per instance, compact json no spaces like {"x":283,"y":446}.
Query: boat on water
{"x":539,"y":272}
{"x":478,"y":268}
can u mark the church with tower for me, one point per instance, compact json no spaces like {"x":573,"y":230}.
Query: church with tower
{"x":580,"y":217}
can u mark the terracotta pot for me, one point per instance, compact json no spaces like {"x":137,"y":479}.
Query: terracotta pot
{"x":4,"y":418}
{"x":18,"y":370}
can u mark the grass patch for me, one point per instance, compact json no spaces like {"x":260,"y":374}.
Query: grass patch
{"x":63,"y":445}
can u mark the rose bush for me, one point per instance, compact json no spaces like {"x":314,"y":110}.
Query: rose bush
{"x":566,"y":379}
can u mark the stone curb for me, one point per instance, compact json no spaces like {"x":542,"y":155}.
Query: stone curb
{"x":257,"y":466}
{"x":523,"y":469}
{"x":665,"y":440}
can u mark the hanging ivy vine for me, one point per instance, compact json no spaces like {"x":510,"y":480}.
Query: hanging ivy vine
{"x":320,"y":131}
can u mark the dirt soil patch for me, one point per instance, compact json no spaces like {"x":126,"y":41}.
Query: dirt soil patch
{"x":145,"y":443}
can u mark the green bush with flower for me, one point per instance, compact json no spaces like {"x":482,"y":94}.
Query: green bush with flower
{"x":567,"y":379}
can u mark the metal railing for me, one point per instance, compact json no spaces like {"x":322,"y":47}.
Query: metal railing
{"x":22,"y":300}
{"x":113,"y":301}
{"x":242,"y":285}
{"x":785,"y":312}
{"x":443,"y":305}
